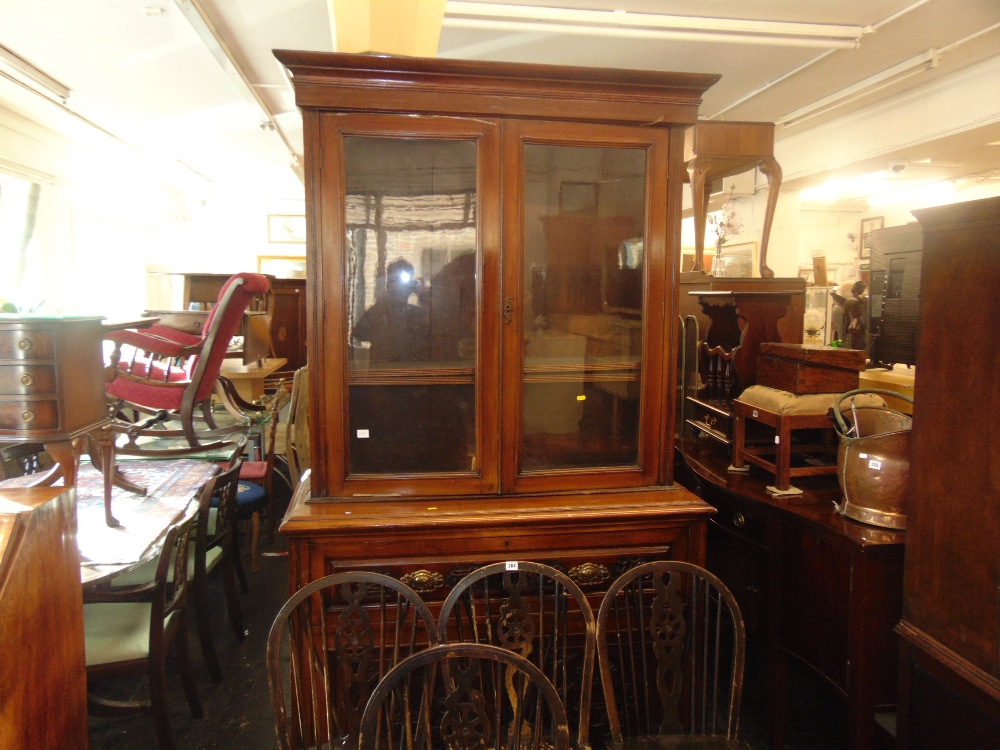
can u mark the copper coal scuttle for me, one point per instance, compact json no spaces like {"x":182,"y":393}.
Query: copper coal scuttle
{"x":873,"y":460}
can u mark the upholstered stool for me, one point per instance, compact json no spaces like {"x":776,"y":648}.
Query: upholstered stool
{"x":785,"y":412}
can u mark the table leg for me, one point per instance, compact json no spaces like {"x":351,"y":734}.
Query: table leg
{"x":770,"y":168}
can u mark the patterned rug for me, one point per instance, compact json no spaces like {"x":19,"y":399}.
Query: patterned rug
{"x":172,"y":486}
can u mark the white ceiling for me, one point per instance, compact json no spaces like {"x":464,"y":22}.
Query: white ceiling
{"x":139,"y":70}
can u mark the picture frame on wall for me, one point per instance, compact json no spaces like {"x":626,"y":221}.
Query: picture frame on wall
{"x":286,"y":228}
{"x":868,"y":226}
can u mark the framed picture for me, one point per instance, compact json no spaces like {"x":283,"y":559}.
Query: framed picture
{"x":282,"y":266}
{"x":286,"y":228}
{"x":867,"y":227}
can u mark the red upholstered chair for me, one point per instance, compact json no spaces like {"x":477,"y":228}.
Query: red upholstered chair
{"x":171,"y":375}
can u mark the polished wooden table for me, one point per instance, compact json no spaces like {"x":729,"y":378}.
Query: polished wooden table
{"x":816,"y":589}
{"x":172,"y":487}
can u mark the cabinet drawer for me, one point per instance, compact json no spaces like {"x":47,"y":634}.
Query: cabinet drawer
{"x":740,"y":518}
{"x":27,"y":380}
{"x":17,"y":414}
{"x":18,"y":343}
{"x":433,"y":579}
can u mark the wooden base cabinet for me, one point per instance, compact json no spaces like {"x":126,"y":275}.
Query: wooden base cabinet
{"x":430,"y":545}
{"x":818,"y":591}
{"x":950,"y":692}
{"x":43,"y":682}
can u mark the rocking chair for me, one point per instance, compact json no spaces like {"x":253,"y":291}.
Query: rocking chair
{"x":171,"y":375}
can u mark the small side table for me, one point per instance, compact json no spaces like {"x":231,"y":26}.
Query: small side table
{"x":715,"y":150}
{"x":52,"y":389}
{"x":249,"y":379}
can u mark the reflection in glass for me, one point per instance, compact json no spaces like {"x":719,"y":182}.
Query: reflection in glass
{"x":584,"y":218}
{"x":411,"y":240}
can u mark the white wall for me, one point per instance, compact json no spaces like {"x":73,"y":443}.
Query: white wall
{"x":102,"y":212}
{"x":108,"y":214}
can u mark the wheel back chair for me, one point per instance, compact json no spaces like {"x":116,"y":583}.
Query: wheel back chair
{"x":330,"y":645}
{"x":537,"y":612}
{"x":671,"y":646}
{"x":460,"y":696}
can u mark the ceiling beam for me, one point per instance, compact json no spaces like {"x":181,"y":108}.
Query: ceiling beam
{"x":623,"y":24}
{"x":394,"y":27}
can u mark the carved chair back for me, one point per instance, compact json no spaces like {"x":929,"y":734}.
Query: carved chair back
{"x":671,"y":646}
{"x":330,"y":644}
{"x":456,"y":697}
{"x":538,"y":613}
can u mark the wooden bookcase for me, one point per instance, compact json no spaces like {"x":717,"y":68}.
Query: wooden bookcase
{"x":492,"y":260}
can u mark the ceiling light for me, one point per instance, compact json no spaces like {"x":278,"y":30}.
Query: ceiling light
{"x":23,"y":73}
{"x":619,"y":23}
{"x":870,"y":85}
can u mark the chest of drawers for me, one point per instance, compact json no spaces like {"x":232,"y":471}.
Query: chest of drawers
{"x":51,"y":378}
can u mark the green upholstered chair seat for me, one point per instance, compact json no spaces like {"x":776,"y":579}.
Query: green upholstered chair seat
{"x":144,"y":573}
{"x":116,"y":632}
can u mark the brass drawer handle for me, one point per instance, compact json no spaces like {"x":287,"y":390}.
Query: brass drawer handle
{"x":589,"y":574}
{"x":24,"y":344}
{"x":423,"y":581}
{"x":27,"y":415}
{"x":27,"y":380}
{"x":739,"y":520}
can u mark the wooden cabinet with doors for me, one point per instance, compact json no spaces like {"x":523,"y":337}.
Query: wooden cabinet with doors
{"x":288,"y":312}
{"x":950,"y":665}
{"x":492,"y":255}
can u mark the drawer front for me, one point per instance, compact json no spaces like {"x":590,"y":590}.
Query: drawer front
{"x":740,"y":518}
{"x":34,"y":415}
{"x":26,"y":344}
{"x":27,"y":380}
{"x":710,"y":422}
{"x":593,"y":571}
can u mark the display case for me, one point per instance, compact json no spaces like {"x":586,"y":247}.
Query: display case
{"x":492,"y":250}
{"x":817,"y":322}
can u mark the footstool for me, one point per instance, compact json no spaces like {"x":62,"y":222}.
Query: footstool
{"x":784,"y":412}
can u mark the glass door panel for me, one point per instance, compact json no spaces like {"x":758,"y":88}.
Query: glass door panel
{"x":412,"y":255}
{"x":584,"y":218}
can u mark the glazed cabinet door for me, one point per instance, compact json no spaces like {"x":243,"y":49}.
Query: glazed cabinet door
{"x":409,"y":235}
{"x":583,"y":302}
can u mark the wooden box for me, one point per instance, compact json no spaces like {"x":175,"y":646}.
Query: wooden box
{"x":803,"y":368}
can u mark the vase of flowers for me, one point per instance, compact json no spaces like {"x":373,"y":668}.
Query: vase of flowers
{"x":726,"y":224}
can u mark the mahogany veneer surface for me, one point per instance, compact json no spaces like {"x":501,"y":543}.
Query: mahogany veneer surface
{"x":43,"y":691}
